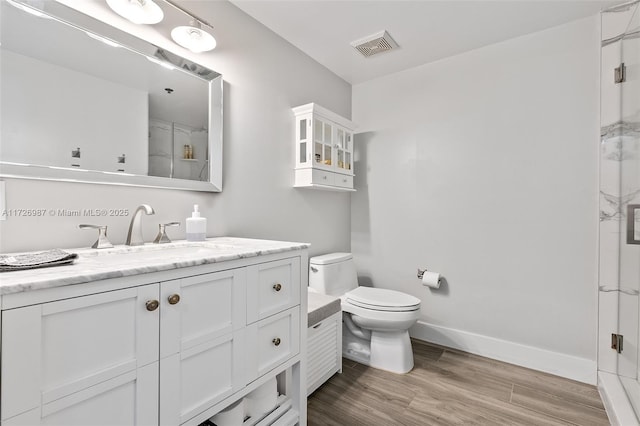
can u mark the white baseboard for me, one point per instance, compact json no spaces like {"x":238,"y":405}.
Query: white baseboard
{"x":615,"y":400}
{"x":572,"y":367}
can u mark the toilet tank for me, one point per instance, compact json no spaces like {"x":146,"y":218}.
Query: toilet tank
{"x":333,"y":274}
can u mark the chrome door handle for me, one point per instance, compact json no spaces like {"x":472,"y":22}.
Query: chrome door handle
{"x":631,"y":223}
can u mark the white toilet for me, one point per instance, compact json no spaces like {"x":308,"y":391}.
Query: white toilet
{"x":375,"y":321}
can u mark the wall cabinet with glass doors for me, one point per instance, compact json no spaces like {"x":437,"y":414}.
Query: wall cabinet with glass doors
{"x":324,"y":149}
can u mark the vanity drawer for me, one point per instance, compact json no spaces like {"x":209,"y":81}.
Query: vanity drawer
{"x":272,"y":287}
{"x":344,"y":181}
{"x":322,"y":177}
{"x":275,"y":340}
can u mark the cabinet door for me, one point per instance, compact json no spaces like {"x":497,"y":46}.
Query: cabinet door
{"x":202,"y":343}
{"x":128,"y":399}
{"x":323,"y":143}
{"x":53,"y":350}
{"x":344,"y":151}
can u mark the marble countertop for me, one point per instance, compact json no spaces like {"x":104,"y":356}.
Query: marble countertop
{"x":122,"y":261}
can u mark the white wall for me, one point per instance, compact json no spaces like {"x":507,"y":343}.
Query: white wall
{"x":483,"y":167}
{"x":264,"y":77}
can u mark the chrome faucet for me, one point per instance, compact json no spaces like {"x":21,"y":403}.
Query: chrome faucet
{"x":134,"y":237}
{"x":102,"y":241}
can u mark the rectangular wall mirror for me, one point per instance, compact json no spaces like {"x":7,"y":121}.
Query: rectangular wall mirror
{"x":83,"y":101}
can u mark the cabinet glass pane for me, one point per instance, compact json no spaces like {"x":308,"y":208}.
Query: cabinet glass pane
{"x":340,"y":140}
{"x":341,"y":159}
{"x":327,"y":155}
{"x":303,"y":152}
{"x":303,"y":129}
{"x":317,"y":127}
{"x":318,"y":152}
{"x":348,"y":146}
{"x":347,"y":161}
{"x":327,"y":133}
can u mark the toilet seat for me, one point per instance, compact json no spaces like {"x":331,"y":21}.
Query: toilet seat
{"x":380,"y":299}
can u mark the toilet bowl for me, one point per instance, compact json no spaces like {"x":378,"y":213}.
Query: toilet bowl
{"x":375,"y":321}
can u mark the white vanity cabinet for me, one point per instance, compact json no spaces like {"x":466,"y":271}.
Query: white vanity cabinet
{"x":166,"y":348}
{"x":72,"y":361}
{"x":324,"y":149}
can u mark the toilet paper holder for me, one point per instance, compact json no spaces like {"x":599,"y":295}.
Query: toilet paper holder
{"x":421,"y":272}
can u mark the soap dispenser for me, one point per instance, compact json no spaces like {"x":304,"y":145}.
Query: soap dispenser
{"x":196,"y":226}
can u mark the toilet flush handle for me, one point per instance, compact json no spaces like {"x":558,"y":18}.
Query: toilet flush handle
{"x":313,"y":269}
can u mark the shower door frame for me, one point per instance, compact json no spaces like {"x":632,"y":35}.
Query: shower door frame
{"x":619,"y":268}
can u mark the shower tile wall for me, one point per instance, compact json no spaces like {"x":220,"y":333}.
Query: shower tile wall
{"x":619,"y":186}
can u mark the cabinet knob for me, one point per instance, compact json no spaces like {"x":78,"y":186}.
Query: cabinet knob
{"x":152,"y":305}
{"x":276,"y":341}
{"x":277,"y":287}
{"x":324,"y":177}
{"x":173,"y":299}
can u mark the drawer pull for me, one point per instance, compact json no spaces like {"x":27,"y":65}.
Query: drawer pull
{"x":152,"y":305}
{"x":324,"y":177}
{"x":276,"y":341}
{"x":277,"y":287}
{"x":173,"y":299}
{"x":317,"y":325}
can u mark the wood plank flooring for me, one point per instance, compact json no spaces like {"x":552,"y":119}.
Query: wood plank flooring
{"x":450,"y":387}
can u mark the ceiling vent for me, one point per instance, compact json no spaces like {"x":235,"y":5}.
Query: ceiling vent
{"x":374,"y":44}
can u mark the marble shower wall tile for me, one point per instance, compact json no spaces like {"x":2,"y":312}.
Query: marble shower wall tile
{"x":614,"y":24}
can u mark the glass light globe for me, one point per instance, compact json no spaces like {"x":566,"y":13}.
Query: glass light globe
{"x":137,"y":11}
{"x":193,"y":38}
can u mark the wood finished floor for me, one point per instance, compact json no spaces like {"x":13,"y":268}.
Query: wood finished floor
{"x":450,"y":387}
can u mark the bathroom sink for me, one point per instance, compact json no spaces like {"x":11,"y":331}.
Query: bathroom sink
{"x":157,"y":252}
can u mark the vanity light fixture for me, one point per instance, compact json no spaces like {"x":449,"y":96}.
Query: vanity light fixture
{"x":193,"y":37}
{"x":137,"y":11}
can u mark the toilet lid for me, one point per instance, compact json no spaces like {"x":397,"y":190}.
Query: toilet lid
{"x":381,"y":299}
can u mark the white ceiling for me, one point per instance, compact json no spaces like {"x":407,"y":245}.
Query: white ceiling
{"x":425,"y":30}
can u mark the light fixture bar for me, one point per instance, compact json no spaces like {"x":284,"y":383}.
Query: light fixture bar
{"x":189,"y":14}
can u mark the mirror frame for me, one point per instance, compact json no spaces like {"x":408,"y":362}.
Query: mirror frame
{"x":70,"y":16}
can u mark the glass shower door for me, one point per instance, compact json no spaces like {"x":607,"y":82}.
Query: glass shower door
{"x":629,"y":262}
{"x":619,"y":260}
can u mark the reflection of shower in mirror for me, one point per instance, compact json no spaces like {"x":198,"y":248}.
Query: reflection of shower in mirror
{"x":168,"y":143}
